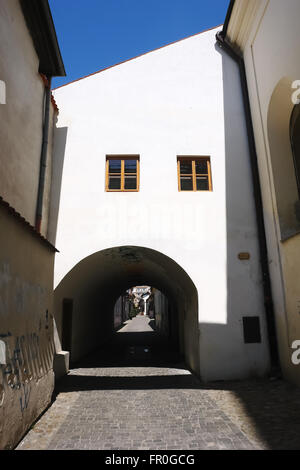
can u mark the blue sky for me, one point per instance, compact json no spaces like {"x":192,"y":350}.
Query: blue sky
{"x":94,"y":34}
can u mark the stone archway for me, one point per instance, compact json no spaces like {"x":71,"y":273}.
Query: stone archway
{"x":96,"y":282}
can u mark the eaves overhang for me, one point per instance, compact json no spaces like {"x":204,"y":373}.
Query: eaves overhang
{"x":239,"y":22}
{"x":39,"y":21}
{"x":26,"y":224}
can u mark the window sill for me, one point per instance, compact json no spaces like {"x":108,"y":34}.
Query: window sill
{"x":289,"y":235}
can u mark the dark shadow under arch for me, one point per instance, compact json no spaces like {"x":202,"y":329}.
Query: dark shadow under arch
{"x":96,"y":282}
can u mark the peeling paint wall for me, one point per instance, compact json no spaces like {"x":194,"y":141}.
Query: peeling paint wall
{"x":26,"y":329}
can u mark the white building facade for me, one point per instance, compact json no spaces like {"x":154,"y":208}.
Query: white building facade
{"x":200,"y":247}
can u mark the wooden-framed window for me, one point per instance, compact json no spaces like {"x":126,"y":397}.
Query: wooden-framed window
{"x":295,"y":142}
{"x":122,"y":173}
{"x":194,"y":173}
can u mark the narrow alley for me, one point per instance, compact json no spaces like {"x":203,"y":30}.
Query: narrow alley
{"x":150,"y":225}
{"x":138,"y":394}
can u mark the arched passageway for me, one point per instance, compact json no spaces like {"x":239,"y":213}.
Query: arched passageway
{"x":146,"y":329}
{"x":85,"y":299}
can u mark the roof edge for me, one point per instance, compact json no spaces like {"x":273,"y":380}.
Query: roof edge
{"x":40,"y":24}
{"x":26,"y":224}
{"x":136,"y":57}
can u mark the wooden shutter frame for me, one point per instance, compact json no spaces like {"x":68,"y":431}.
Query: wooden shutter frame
{"x":122,"y":176}
{"x":193,"y":159}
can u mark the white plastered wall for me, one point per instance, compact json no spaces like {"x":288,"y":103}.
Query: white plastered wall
{"x":163,"y":104}
{"x":271,"y":58}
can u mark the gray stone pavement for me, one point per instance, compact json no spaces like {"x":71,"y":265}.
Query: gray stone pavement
{"x":138,"y":395}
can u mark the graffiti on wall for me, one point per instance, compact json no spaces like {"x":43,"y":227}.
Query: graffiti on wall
{"x":23,"y":359}
{"x":26,"y":342}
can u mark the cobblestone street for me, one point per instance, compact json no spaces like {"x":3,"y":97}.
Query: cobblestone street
{"x":141,"y":397}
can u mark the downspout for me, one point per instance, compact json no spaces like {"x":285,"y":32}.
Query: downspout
{"x":227,"y":19}
{"x":43,"y":160}
{"x":268,"y":300}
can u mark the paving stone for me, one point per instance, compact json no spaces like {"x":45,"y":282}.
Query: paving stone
{"x":136,"y":405}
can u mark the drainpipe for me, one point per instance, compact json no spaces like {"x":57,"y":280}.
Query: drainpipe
{"x":268,"y":300}
{"x":227,"y":19}
{"x":43,"y":161}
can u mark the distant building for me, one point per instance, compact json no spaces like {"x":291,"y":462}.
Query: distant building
{"x":141,"y":294}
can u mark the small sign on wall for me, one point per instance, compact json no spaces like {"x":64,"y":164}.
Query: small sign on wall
{"x":244,"y":256}
{"x":251,"y":327}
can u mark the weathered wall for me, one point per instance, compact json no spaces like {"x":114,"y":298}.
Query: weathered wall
{"x":26,"y":328}
{"x":22,"y":116}
{"x":26,"y":262}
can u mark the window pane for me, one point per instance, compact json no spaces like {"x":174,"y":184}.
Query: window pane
{"x":186,"y":183}
{"x":130,"y":182}
{"x":202,"y":183}
{"x":295,"y":140}
{"x":130,"y":166}
{"x":114,"y":166}
{"x":114,"y":182}
{"x":201,"y":166}
{"x":186,"y":167}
